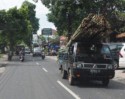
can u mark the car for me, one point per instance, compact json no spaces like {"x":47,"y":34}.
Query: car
{"x":27,"y":50}
{"x":37,"y":51}
{"x":118,"y":53}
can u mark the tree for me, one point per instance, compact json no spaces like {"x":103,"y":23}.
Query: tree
{"x":59,"y":9}
{"x":28,"y":11}
{"x":18,"y":25}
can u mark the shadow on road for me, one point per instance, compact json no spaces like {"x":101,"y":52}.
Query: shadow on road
{"x":97,"y":84}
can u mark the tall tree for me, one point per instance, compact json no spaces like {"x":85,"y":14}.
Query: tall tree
{"x":18,"y":25}
{"x":78,"y":9}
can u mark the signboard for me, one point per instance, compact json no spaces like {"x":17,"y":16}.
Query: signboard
{"x":46,"y":31}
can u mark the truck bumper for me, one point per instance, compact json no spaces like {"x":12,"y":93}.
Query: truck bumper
{"x":95,"y":74}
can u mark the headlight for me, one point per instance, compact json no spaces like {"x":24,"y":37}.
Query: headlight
{"x":80,"y":66}
{"x":110,"y":66}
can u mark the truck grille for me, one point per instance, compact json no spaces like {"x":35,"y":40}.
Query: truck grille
{"x":88,"y":65}
{"x":95,"y":66}
{"x":101,"y":66}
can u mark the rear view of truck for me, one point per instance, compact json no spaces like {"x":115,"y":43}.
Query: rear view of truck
{"x":90,"y":62}
{"x":88,"y":57}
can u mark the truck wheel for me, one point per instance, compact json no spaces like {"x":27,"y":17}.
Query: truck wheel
{"x":116,"y":65}
{"x":64,"y":74}
{"x":105,"y":82}
{"x":71,"y":78}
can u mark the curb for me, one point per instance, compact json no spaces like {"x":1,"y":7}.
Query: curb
{"x":3,"y":63}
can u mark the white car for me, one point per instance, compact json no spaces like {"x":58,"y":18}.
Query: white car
{"x":27,"y":51}
{"x":37,"y":51}
{"x":118,"y":53}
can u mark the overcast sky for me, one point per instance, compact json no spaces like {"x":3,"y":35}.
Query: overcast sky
{"x":41,"y":11}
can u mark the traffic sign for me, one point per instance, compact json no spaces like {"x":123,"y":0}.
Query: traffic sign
{"x":46,"y":31}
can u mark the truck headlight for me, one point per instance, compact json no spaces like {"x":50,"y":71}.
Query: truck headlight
{"x":110,"y":66}
{"x":79,"y":66}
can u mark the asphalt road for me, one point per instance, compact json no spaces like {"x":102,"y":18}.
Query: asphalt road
{"x":40,"y":79}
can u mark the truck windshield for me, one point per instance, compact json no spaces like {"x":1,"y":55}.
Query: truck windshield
{"x":92,"y":53}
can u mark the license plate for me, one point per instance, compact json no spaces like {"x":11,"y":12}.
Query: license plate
{"x":94,"y":71}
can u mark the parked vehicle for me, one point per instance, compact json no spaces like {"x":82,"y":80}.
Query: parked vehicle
{"x":118,"y":53}
{"x":18,"y":48}
{"x":88,"y":62}
{"x":27,"y":50}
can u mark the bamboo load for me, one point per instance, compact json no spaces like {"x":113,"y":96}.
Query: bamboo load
{"x":93,"y":28}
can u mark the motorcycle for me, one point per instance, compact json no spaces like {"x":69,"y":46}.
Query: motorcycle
{"x":21,"y":58}
{"x":43,"y":55}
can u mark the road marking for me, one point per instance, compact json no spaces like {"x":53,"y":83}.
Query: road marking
{"x":45,"y":70}
{"x":67,"y":89}
{"x":37,"y":63}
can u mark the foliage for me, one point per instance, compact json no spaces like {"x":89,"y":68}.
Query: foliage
{"x":61,"y":11}
{"x":17,"y":25}
{"x":42,"y":38}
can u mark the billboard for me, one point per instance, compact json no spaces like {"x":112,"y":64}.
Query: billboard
{"x":46,"y":31}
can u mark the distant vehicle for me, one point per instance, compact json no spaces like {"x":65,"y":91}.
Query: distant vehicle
{"x":37,"y":51}
{"x":43,"y":55}
{"x":53,"y":52}
{"x":21,"y":55}
{"x":18,"y":48}
{"x":118,"y":53}
{"x":27,"y":50}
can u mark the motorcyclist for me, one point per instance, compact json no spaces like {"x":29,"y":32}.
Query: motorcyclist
{"x":21,"y":54}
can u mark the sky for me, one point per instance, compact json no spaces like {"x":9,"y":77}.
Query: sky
{"x":41,"y":11}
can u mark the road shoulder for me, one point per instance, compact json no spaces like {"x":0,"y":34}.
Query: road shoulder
{"x":3,"y":63}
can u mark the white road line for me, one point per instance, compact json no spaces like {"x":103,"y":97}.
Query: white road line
{"x":37,"y":63}
{"x":67,"y":89}
{"x":45,"y":70}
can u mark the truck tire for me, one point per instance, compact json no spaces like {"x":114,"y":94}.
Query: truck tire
{"x":64,"y":74}
{"x":71,"y":79}
{"x":116,"y":66}
{"x":105,"y":82}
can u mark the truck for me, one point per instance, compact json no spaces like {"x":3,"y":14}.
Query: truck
{"x":89,"y":57}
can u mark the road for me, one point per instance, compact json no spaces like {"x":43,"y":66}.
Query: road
{"x":40,"y":79}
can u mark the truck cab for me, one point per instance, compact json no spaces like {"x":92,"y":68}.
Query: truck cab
{"x":88,"y":61}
